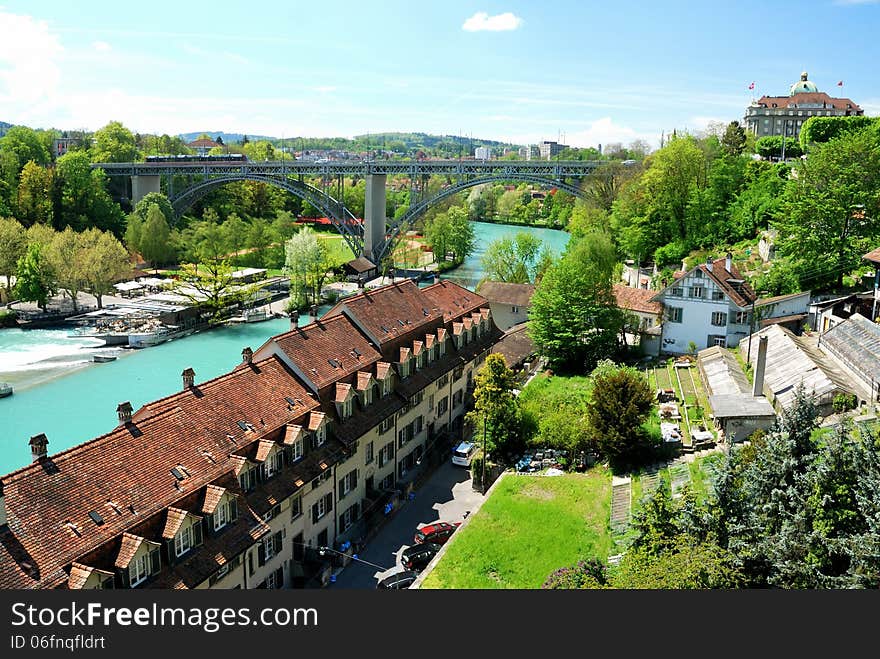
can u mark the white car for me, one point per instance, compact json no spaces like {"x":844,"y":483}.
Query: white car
{"x":463,"y":453}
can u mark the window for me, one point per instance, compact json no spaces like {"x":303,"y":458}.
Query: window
{"x":404,"y":369}
{"x":697,"y":291}
{"x":420,"y":360}
{"x":442,"y":346}
{"x":717,"y":340}
{"x":346,"y":408}
{"x":416,"y":399}
{"x":271,"y":466}
{"x":742,"y":318}
{"x":456,"y":374}
{"x":387,"y":483}
{"x":224,"y":569}
{"x":187,"y":538}
{"x":321,"y":435}
{"x":677,"y":291}
{"x":674,"y":314}
{"x":457,"y":397}
{"x":386,"y":386}
{"x":698,"y":274}
{"x":348,"y":483}
{"x":514,"y":309}
{"x":226,"y":512}
{"x":386,"y":425}
{"x":316,"y":482}
{"x":323,"y":506}
{"x":248,"y":480}
{"x":140,"y":568}
{"x":272,"y":513}
{"x":719,"y":318}
{"x":348,"y":518}
{"x":442,"y":382}
{"x":717,"y":296}
{"x":296,"y":508}
{"x":386,"y":454}
{"x":270,"y":547}
{"x":443,"y":405}
{"x":369,"y":453}
{"x":296,"y":450}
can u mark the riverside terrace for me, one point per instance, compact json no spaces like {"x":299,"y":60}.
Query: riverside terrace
{"x":223,"y":483}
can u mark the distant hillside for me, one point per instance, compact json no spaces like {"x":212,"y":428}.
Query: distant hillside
{"x":228,"y":138}
{"x":4,"y":127}
{"x":424,"y":139}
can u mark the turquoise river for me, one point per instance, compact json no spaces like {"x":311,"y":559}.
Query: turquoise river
{"x":79,"y":401}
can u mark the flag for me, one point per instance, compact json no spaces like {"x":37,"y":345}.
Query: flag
{"x":840,"y":84}
{"x":752,"y":86}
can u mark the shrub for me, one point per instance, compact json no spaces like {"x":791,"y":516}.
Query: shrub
{"x":844,"y":402}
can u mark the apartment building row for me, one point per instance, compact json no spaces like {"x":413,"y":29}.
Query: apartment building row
{"x":236,"y":482}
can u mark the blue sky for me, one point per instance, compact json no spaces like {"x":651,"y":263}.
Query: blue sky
{"x":585,"y":71}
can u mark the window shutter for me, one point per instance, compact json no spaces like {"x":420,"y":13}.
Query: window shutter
{"x":261,"y":554}
{"x":354,"y":511}
{"x":250,"y":558}
{"x":329,"y":499}
{"x":341,"y":487}
{"x":233,"y":509}
{"x":197,"y":533}
{"x":279,"y":542}
{"x":314,"y":513}
{"x":355,"y":484}
{"x":155,"y":561}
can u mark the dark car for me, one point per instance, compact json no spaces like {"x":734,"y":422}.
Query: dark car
{"x":438,"y":532}
{"x":418,"y":556}
{"x":398,"y":580}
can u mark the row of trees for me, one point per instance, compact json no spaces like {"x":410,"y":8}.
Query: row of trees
{"x":44,"y":261}
{"x":793,"y":509}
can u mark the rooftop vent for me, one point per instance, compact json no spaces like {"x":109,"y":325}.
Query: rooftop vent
{"x":242,"y":424}
{"x":114,"y":506}
{"x":177,"y":473}
{"x":355,"y":352}
{"x":189,"y":378}
{"x":247,"y":356}
{"x":96,"y":517}
{"x":425,"y":311}
{"x":123,"y":411}
{"x":39,"y":446}
{"x":73,"y":527}
{"x":334,"y":363}
{"x":384,"y":329}
{"x":131,"y":509}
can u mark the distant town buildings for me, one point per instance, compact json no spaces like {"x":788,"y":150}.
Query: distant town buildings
{"x":202,"y":146}
{"x":483,"y":153}
{"x":784,"y":115}
{"x":549,"y":149}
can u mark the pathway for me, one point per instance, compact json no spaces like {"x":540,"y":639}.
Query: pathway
{"x":680,"y":475}
{"x":621,"y":502}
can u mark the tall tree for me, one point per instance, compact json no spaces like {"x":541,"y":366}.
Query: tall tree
{"x":734,"y":140}
{"x":35,"y":188}
{"x":114,"y":143}
{"x":142,"y":208}
{"x":831,"y":213}
{"x":67,"y":256}
{"x":307,"y":263}
{"x":496,"y":413}
{"x":619,"y":406}
{"x":26,"y":144}
{"x":105,"y":263}
{"x":513,"y":259}
{"x":35,"y":281}
{"x":573,"y":319}
{"x":13,"y":244}
{"x":154,"y":240}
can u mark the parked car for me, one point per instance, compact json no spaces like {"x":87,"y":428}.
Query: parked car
{"x":418,"y":556}
{"x":438,"y":532}
{"x":463,"y":454}
{"x":398,"y":580}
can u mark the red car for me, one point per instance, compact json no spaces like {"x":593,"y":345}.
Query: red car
{"x":438,"y":532}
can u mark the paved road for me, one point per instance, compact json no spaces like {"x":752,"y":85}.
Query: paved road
{"x":446,"y":496}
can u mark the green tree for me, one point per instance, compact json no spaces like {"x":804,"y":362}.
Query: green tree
{"x":831,"y":211}
{"x":574,"y":320}
{"x":154,"y":240}
{"x":66,"y":255}
{"x":496,"y":413}
{"x":461,"y":236}
{"x":734,"y":140}
{"x":83,"y":201}
{"x":105,"y":262}
{"x":306,"y":263}
{"x":142,"y":208}
{"x":13,"y":244}
{"x":35,"y":281}
{"x":35,"y":188}
{"x":213,"y":288}
{"x":817,"y":130}
{"x":513,"y":259}
{"x":770,"y":146}
{"x":26,"y":144}
{"x":619,"y":406}
{"x":114,"y":143}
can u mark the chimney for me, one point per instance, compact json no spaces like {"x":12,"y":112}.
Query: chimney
{"x":758,"y":388}
{"x":728,"y":262}
{"x":709,"y":263}
{"x":189,"y":378}
{"x":2,"y":507}
{"x":314,"y":311}
{"x":247,"y":356}
{"x":123,"y":411}
{"x":38,"y":444}
{"x":294,"y":319}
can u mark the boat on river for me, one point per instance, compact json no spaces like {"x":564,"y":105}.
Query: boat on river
{"x":103,"y":358}
{"x":5,"y":389}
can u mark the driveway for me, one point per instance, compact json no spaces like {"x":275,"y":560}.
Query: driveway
{"x":447,"y":495}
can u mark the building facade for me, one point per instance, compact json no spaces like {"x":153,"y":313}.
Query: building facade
{"x":509,"y":302}
{"x":784,"y":115}
{"x":240,"y":481}
{"x":549,"y":149}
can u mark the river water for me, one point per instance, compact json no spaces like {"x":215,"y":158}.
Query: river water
{"x":59,"y":391}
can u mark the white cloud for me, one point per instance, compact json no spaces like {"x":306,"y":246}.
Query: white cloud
{"x":605,"y":131}
{"x":871,"y":106}
{"x":29,"y":68}
{"x":482,"y":22}
{"x":326,"y":89}
{"x":102,"y":46}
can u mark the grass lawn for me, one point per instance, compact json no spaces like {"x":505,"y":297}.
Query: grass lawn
{"x":529,"y":526}
{"x":337,"y":248}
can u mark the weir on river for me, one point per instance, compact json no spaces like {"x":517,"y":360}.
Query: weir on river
{"x":80,"y":402}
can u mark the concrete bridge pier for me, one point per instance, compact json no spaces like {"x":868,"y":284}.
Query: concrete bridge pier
{"x":142,"y":185}
{"x":374,"y":214}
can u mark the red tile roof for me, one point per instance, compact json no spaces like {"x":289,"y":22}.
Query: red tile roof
{"x":343,"y":389}
{"x":417,"y":348}
{"x":364,"y":380}
{"x":382,"y":370}
{"x":389,"y":312}
{"x":213,"y":495}
{"x":741,"y":294}
{"x":636,"y":299}
{"x":264,"y":446}
{"x":873,"y":256}
{"x":130,"y":544}
{"x":312,"y":347}
{"x":452,"y":300}
{"x":292,"y":433}
{"x":173,"y":522}
{"x":316,"y":419}
{"x":805,"y":99}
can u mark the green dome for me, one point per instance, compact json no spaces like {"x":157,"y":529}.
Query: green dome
{"x":803,"y":86}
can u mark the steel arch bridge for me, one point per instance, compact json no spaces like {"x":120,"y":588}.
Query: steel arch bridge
{"x":373,"y":236}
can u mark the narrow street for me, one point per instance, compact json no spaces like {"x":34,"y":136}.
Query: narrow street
{"x":447,"y":495}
